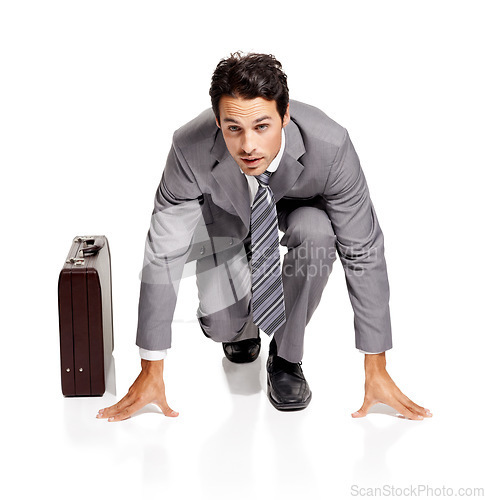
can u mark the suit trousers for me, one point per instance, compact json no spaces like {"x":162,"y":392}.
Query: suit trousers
{"x":224,"y":281}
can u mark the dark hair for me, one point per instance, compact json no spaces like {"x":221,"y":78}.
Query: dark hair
{"x":250,"y":76}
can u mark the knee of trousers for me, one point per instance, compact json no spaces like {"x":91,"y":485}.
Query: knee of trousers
{"x":309,"y":236}
{"x":224,"y":325}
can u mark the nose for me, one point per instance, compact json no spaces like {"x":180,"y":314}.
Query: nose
{"x":248,"y":145}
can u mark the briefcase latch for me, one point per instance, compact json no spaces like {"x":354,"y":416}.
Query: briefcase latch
{"x":75,"y":261}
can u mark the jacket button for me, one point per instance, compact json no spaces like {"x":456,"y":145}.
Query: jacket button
{"x":202,"y":250}
{"x":231,"y":242}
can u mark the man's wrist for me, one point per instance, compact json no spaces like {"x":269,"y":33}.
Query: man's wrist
{"x":152,"y":366}
{"x":374,"y":363}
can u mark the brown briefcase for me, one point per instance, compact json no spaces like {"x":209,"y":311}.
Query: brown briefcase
{"x":85,"y":317}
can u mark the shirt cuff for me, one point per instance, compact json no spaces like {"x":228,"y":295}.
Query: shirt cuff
{"x":365,"y":352}
{"x":152,"y":355}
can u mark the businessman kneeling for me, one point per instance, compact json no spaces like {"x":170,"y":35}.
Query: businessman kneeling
{"x":255,"y":163}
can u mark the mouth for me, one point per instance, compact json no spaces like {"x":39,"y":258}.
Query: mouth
{"x":251,"y":162}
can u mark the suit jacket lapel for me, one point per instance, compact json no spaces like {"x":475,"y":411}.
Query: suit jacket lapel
{"x":289,"y":168}
{"x":228,"y":175}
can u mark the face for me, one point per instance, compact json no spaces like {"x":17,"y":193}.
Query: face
{"x":252,"y":131}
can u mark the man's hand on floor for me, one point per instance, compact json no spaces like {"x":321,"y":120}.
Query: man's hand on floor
{"x":380,"y":388}
{"x":147,"y":388}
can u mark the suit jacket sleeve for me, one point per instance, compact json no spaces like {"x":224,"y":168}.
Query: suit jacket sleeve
{"x":174,"y":218}
{"x":360,"y":245}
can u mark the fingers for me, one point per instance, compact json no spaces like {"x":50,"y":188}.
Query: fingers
{"x":144,"y":391}
{"x":405,"y":407}
{"x":395,"y":399}
{"x":128,"y":406}
{"x":111,"y":411}
{"x":167,"y":411}
{"x":128,"y":410}
{"x":407,"y":411}
{"x":380,"y":388}
{"x":416,"y":409}
{"x":363,"y":409}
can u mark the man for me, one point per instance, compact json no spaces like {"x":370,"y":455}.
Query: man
{"x":255,"y":162}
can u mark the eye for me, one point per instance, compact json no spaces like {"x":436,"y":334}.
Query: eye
{"x":262,"y":127}
{"x":233,"y":128}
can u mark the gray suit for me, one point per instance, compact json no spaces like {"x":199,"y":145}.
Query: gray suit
{"x":202,"y":215}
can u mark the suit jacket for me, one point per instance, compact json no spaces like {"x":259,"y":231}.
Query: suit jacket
{"x":202,"y":206}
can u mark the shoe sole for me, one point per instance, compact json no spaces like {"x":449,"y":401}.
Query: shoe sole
{"x":242,"y":361}
{"x":288,"y":406}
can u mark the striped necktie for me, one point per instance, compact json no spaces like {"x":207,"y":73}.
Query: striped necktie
{"x":267,"y":285}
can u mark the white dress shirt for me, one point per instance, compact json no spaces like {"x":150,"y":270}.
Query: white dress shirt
{"x":253,"y":189}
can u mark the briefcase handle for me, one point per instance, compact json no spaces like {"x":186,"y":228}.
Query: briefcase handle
{"x":91,"y":246}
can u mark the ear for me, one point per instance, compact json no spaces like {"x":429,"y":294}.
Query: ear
{"x":217,"y":121}
{"x":286,"y":117}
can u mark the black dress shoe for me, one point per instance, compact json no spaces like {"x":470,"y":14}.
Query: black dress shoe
{"x":287,"y":387}
{"x":244,"y":351}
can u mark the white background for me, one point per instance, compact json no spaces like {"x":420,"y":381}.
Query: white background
{"x":90,"y":94}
